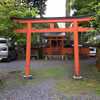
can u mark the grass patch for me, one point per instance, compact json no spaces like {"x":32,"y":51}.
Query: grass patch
{"x":78,"y":86}
{"x":16,"y":78}
{"x":2,"y":81}
{"x":90,"y":83}
{"x":50,"y":72}
{"x":2,"y":84}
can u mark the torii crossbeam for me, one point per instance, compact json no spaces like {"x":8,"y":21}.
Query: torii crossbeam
{"x":51,"y":21}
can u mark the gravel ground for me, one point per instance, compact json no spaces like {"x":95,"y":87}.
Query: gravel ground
{"x":19,"y":65}
{"x":43,"y":90}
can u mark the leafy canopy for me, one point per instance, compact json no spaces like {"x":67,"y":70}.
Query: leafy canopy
{"x":88,"y":7}
{"x":85,"y":8}
{"x":8,"y":8}
{"x":40,"y":5}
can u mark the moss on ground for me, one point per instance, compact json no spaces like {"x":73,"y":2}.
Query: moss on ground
{"x":78,"y":86}
{"x":50,"y":72}
{"x":90,"y":83}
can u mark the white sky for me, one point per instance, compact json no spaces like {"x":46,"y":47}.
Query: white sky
{"x":55,"y":8}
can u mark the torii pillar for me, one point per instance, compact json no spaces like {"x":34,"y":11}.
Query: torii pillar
{"x":76,"y":52}
{"x":28,"y":51}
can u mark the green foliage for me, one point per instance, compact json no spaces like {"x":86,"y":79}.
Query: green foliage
{"x":97,"y":7}
{"x":9,"y":8}
{"x":40,"y":5}
{"x":85,"y":8}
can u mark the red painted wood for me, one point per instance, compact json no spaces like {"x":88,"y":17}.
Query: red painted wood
{"x":76,"y":50}
{"x":75,"y":29}
{"x":72,"y":29}
{"x":85,"y":29}
{"x":28,"y":50}
{"x":53,"y":20}
{"x":51,"y":25}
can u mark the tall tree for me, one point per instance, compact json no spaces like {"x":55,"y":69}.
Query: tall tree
{"x":9,"y":8}
{"x":88,"y":7}
{"x":39,"y":4}
{"x":68,"y":13}
{"x":69,"y":4}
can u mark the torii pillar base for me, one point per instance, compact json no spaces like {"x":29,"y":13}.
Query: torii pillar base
{"x":77,"y":77}
{"x":28,"y":77}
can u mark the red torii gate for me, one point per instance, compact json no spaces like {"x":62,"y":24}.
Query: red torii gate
{"x":51,"y":21}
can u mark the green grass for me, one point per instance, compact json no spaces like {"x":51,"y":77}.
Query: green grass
{"x":50,"y":72}
{"x":2,"y":84}
{"x":89,"y":83}
{"x":78,"y":86}
{"x":16,"y":77}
